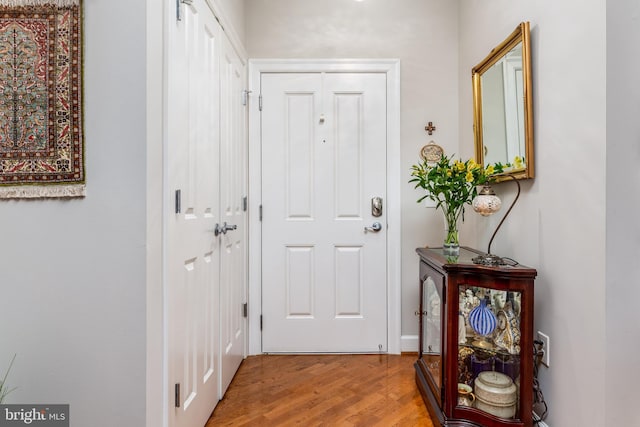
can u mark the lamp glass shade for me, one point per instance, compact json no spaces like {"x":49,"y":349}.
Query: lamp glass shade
{"x":486,"y":204}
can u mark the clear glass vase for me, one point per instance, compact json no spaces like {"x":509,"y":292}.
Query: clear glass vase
{"x":451,"y":244}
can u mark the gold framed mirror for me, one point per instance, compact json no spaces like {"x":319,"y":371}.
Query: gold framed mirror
{"x":502,"y":105}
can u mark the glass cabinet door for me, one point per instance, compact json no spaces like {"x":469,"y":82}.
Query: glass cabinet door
{"x":432,"y":330}
{"x":489,"y":350}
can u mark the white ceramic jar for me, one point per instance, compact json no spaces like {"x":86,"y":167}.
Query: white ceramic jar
{"x":496,"y":394}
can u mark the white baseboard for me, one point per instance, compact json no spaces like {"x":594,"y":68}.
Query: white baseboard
{"x":409,"y":343}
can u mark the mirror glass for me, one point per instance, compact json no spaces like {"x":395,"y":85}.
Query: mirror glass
{"x":503,"y":113}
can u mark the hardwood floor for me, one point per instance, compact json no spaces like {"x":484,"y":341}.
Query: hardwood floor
{"x":323,"y":390}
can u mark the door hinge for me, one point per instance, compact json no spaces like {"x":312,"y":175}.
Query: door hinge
{"x":244,"y":203}
{"x":178,"y":11}
{"x":261,"y":322}
{"x":178,"y":201}
{"x":245,"y":310}
{"x":260,"y":212}
{"x":245,"y":96}
{"x":177,"y":395}
{"x":260,"y":102}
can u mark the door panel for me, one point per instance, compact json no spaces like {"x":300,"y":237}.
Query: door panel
{"x":323,"y":159}
{"x":299,"y":287}
{"x":349,"y":285}
{"x":299,"y":155}
{"x":347,"y":109}
{"x":192,"y":251}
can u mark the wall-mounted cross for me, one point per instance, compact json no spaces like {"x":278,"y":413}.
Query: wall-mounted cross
{"x":430,"y":128}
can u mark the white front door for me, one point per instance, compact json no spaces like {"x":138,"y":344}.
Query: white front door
{"x":324,"y":277}
{"x":192,"y":250}
{"x":233,"y":183}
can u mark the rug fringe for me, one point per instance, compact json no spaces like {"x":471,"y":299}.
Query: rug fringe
{"x":42,"y":191}
{"x":58,"y":3}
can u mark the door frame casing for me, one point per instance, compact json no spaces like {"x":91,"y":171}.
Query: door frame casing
{"x":391,"y":67}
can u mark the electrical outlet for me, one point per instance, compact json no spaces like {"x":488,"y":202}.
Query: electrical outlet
{"x":546,"y":342}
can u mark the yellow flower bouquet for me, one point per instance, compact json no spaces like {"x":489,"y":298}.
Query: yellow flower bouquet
{"x":451,"y":184}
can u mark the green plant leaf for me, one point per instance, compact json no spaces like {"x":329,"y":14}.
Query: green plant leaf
{"x":4,"y":390}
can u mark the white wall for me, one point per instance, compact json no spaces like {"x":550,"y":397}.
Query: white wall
{"x":623,"y":204}
{"x":73,"y":272}
{"x":233,"y":11}
{"x":423,"y":35}
{"x":558,"y":225}
{"x":156,"y":400}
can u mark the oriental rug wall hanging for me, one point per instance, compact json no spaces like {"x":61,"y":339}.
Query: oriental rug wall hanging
{"x":41,"y":138}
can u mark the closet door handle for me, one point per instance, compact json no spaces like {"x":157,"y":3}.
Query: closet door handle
{"x":222,"y":229}
{"x":228,"y":227}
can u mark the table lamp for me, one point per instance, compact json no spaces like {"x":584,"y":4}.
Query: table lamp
{"x":487,"y":203}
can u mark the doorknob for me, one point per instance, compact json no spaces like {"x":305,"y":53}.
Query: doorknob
{"x":375,"y":227}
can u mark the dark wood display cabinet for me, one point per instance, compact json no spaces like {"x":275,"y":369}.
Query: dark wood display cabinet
{"x":475,"y":361}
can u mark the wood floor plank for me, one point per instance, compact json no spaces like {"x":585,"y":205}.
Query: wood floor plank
{"x":323,"y":390}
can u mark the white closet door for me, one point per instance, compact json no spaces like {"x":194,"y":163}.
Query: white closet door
{"x":192,"y":254}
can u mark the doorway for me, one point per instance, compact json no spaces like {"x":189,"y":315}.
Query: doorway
{"x":324,"y":148}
